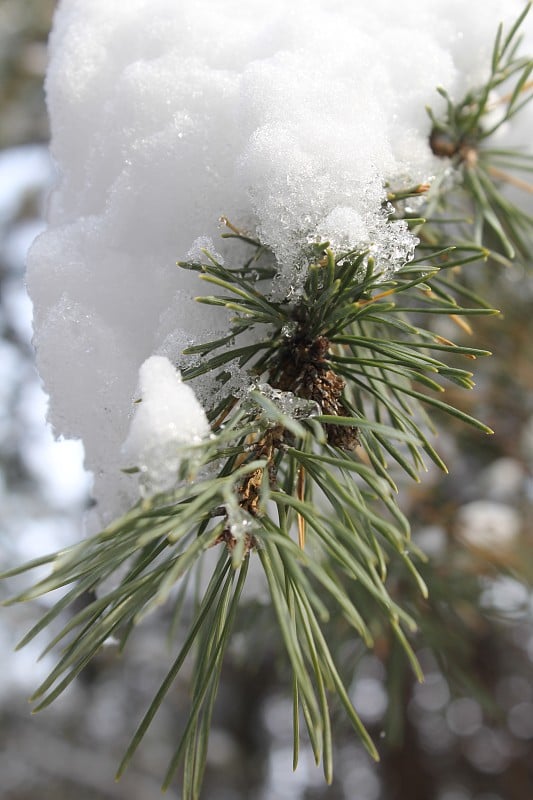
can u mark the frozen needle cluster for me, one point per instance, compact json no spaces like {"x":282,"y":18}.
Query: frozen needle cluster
{"x":290,"y":121}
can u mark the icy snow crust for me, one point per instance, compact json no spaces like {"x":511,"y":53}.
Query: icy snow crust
{"x":165,"y":115}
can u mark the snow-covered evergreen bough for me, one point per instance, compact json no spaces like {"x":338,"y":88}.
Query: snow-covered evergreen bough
{"x":331,"y":174}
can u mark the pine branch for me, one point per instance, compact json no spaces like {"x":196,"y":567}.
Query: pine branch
{"x":300,"y":471}
{"x":462,"y":134}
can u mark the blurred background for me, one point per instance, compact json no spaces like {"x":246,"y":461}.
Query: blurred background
{"x":465,"y":734}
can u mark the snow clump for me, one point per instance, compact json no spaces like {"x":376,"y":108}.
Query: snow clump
{"x":168,"y":421}
{"x":289,"y":120}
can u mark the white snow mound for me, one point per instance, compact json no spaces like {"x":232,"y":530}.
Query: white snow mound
{"x":289,"y":119}
{"x":168,"y":420}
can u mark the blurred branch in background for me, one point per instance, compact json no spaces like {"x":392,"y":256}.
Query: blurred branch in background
{"x":24,"y":30}
{"x":24,"y":171}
